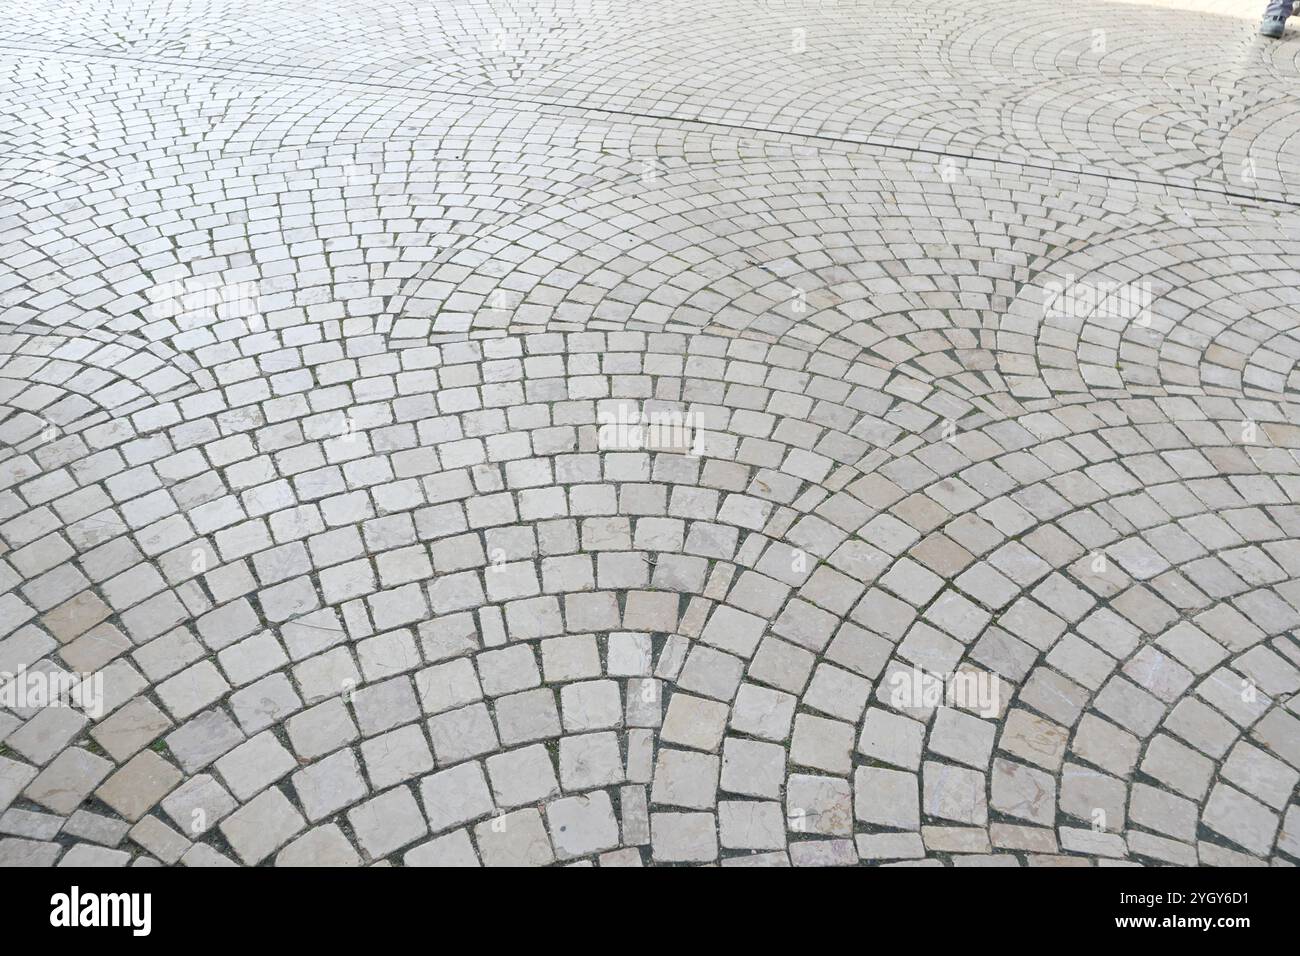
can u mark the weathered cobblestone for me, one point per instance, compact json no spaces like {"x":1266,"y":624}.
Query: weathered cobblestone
{"x":442,"y":437}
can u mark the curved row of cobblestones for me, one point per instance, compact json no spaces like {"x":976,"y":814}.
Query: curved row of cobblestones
{"x":330,"y":347}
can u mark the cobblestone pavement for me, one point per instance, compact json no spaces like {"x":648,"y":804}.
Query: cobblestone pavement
{"x":642,"y":431}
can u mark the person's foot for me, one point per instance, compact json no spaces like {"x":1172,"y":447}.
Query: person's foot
{"x":1272,"y":27}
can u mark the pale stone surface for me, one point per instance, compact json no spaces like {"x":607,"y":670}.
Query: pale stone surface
{"x":559,"y":462}
{"x":522,"y":776}
{"x":387,"y":822}
{"x":261,"y":826}
{"x":329,"y":785}
{"x":684,"y":837}
{"x":134,"y":789}
{"x":198,"y":804}
{"x":514,"y":839}
{"x":455,"y":796}
{"x":454,"y":849}
{"x":323,"y":846}
{"x":887,"y":798}
{"x":582,"y":825}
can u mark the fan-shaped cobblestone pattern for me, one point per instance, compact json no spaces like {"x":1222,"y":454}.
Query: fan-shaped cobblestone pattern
{"x":329,"y":335}
{"x":992,"y":79}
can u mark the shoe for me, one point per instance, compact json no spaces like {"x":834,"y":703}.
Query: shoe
{"x":1272,"y":27}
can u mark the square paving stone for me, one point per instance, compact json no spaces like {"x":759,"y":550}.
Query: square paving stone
{"x":329,"y":785}
{"x":323,"y":846}
{"x":954,"y":793}
{"x":514,"y":839}
{"x":888,"y":798}
{"x":68,"y":780}
{"x":581,"y":825}
{"x":262,"y":826}
{"x":255,"y":764}
{"x":751,"y":825}
{"x":453,"y":849}
{"x":694,"y":722}
{"x":684,"y":837}
{"x":460,"y":734}
{"x":522,"y":776}
{"x":753,"y":767}
{"x":531,"y":715}
{"x":817,"y":804}
{"x":139,"y":785}
{"x":387,"y":822}
{"x":822,"y":744}
{"x":198,"y":804}
{"x":588,"y":761}
{"x":455,"y":796}
{"x":396,"y":756}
